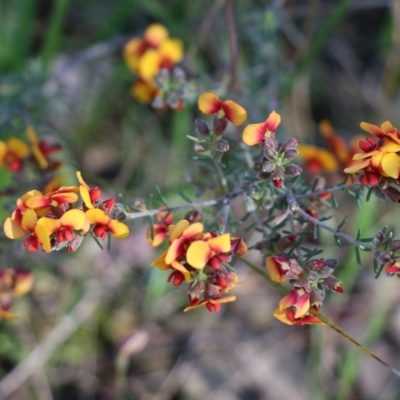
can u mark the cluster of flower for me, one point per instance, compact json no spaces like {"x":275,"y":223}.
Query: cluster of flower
{"x":14,"y":152}
{"x":53,"y":221}
{"x":152,"y":58}
{"x":13,"y":283}
{"x":201,"y":259}
{"x":310,"y":284}
{"x":378,"y":165}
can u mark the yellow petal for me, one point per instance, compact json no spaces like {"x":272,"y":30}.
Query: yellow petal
{"x":160,"y":262}
{"x":118,"y":229}
{"x":41,"y":232}
{"x":156,"y":34}
{"x":220,"y":244}
{"x":13,"y":229}
{"x":18,"y":147}
{"x":389,"y":146}
{"x":209,"y":103}
{"x":386,"y":126}
{"x":179,"y":267}
{"x":29,"y":219}
{"x":131,"y":53}
{"x":37,"y":153}
{"x":74,"y":219}
{"x":172,"y":49}
{"x":198,"y":254}
{"x":149,"y":64}
{"x":144,"y":91}
{"x":97,"y":216}
{"x":193,"y":230}
{"x":274,"y":271}
{"x":84,"y":191}
{"x":176,"y":231}
{"x":357,"y":167}
{"x":390,"y":165}
{"x":3,"y":152}
{"x":253,"y":134}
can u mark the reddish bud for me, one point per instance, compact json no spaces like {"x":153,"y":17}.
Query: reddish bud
{"x":176,"y":278}
{"x":367,"y":145}
{"x":219,"y":125}
{"x":95,"y":194}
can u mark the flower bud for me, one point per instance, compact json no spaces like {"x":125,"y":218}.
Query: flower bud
{"x":292,"y":170}
{"x":289,"y":145}
{"x":378,"y":239}
{"x":222,"y":146}
{"x":394,"y":245}
{"x":383,"y":256}
{"x":219,"y":125}
{"x":139,"y":204}
{"x":200,"y":148}
{"x":269,"y":148}
{"x":257,"y":166}
{"x":201,"y":127}
{"x":331,"y":263}
{"x":268,"y":166}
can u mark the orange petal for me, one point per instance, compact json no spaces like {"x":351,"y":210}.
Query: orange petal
{"x":274,"y":270}
{"x":65,"y":198}
{"x":174,"y":251}
{"x":160,"y":262}
{"x":132,"y":54}
{"x":220,"y":244}
{"x":193,"y":230}
{"x":49,"y":225}
{"x":37,"y":202}
{"x":357,"y":167}
{"x":23,"y":283}
{"x":360,"y":156}
{"x":375,"y":130}
{"x":144,"y":91}
{"x":176,"y":231}
{"x":234,"y":112}
{"x":386,"y":126}
{"x":209,"y":103}
{"x":158,"y":238}
{"x":198,"y":254}
{"x":118,"y":229}
{"x":254,"y":134}
{"x":272,"y":122}
{"x":179,"y":267}
{"x":390,"y":165}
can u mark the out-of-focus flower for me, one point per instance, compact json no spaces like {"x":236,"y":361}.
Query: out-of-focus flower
{"x":54,"y":221}
{"x":13,"y":283}
{"x":256,"y":133}
{"x":201,"y":259}
{"x":160,"y":229}
{"x":317,"y":160}
{"x":153,"y":36}
{"x":41,"y":150}
{"x":210,"y":103}
{"x":12,"y":153}
{"x":147,"y":57}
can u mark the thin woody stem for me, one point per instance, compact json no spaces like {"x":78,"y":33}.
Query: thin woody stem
{"x":295,"y":208}
{"x":341,"y":187}
{"x":233,"y":45}
{"x":200,"y":204}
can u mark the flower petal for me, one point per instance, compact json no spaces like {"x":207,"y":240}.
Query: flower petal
{"x":155,"y":34}
{"x":209,"y":103}
{"x":234,"y":112}
{"x":390,"y":165}
{"x":74,"y":219}
{"x":29,"y":220}
{"x":118,"y":229}
{"x":254,"y":134}
{"x":198,"y":254}
{"x":84,"y":190}
{"x":17,"y":147}
{"x":149,"y":64}
{"x":179,"y":267}
{"x":357,"y":167}
{"x":176,"y":231}
{"x":42,"y":233}
{"x":172,"y":49}
{"x":12,"y":226}
{"x":160,"y":262}
{"x":220,"y":244}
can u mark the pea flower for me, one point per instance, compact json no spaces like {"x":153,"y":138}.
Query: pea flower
{"x":201,"y":259}
{"x":210,"y":103}
{"x":12,"y":153}
{"x":256,"y":133}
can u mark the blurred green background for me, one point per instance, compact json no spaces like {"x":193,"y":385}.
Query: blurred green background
{"x":61,"y":69}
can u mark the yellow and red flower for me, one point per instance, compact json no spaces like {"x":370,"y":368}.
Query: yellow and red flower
{"x":297,"y":298}
{"x":12,"y":153}
{"x":287,"y":316}
{"x":256,"y":133}
{"x":160,"y":229}
{"x":210,"y":103}
{"x":198,"y":258}
{"x":379,"y":158}
{"x":104,"y":224}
